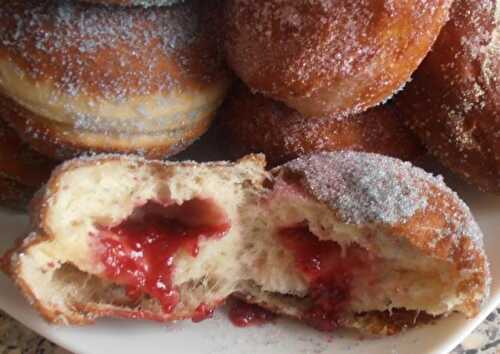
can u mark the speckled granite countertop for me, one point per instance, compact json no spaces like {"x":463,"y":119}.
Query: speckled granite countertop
{"x":17,"y":339}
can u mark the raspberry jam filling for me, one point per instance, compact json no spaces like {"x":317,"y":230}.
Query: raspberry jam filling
{"x":242,"y":314}
{"x":202,"y":313}
{"x":329,"y":270}
{"x":139,"y":252}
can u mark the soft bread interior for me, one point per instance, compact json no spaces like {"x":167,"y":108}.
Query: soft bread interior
{"x":401,"y":276}
{"x":90,"y":197}
{"x":61,"y":273}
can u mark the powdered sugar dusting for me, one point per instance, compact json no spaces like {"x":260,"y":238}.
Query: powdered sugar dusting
{"x":364,"y":188}
{"x":283,"y":134}
{"x":453,"y":101}
{"x":113,"y":51}
{"x":292,"y":50}
{"x":492,"y":51}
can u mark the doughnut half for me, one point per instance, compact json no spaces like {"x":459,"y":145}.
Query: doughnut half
{"x":343,"y":239}
{"x":81,"y":77}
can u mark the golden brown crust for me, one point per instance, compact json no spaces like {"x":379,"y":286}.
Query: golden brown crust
{"x":251,"y":123}
{"x":323,"y":57}
{"x":62,"y":141}
{"x":453,"y":100}
{"x":387,"y":323}
{"x":375,"y":323}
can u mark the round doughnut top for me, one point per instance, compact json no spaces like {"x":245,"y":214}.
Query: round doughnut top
{"x":112,"y":52}
{"x":369,"y":188}
{"x":313,"y":44}
{"x":143,"y":3}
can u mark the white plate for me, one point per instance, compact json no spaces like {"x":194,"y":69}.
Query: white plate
{"x":218,"y":336}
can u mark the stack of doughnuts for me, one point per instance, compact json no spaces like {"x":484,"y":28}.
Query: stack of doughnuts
{"x":77,"y":77}
{"x":335,"y":238}
{"x":147,"y":77}
{"x":330,"y":62}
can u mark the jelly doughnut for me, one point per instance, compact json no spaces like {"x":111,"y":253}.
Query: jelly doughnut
{"x":251,"y":123}
{"x":330,"y":57}
{"x":344,"y":239}
{"x":453,"y":102}
{"x":79,"y":77}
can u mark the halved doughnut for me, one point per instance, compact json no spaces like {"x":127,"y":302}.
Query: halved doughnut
{"x":335,"y":239}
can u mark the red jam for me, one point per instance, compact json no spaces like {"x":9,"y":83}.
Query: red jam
{"x":329,"y":271}
{"x":139,"y":252}
{"x":242,"y":314}
{"x":202,"y":312}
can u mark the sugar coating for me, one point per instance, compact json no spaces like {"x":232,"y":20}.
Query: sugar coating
{"x":114,"y":51}
{"x":453,"y":101}
{"x":367,"y":188}
{"x":312,"y":44}
{"x":364,"y":188}
{"x":479,"y":44}
{"x":254,"y":123}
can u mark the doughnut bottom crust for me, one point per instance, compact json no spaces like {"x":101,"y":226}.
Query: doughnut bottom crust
{"x":252,"y":123}
{"x":60,"y":140}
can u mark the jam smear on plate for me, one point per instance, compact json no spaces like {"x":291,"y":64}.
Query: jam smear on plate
{"x":202,"y":312}
{"x":242,"y":314}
